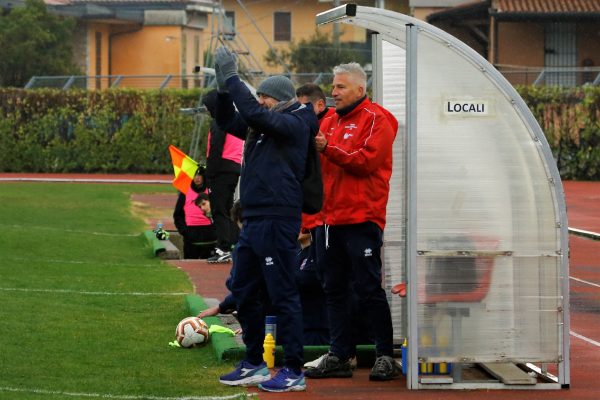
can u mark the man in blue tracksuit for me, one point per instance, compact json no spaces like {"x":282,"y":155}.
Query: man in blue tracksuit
{"x":276,"y":128}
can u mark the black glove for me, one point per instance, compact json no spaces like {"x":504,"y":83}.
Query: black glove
{"x":226,"y":62}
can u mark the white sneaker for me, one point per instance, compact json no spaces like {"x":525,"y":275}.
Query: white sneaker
{"x":220,"y":257}
{"x":315,"y":363}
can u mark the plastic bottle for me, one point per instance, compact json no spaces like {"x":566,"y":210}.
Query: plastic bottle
{"x":159,"y":226}
{"x":271,"y":326}
{"x":269,"y":350}
{"x":404,"y":356}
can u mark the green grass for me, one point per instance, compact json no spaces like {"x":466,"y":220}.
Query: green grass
{"x":74,"y":314}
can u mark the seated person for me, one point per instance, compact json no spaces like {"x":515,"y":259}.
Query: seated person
{"x":193,"y":225}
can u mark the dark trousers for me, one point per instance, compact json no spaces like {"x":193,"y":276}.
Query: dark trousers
{"x":222,"y":189}
{"x":353,"y":262}
{"x":266,"y":263}
{"x":199,"y":241}
{"x":312,"y":297}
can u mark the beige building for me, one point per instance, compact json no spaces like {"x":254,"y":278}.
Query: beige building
{"x":171,"y":37}
{"x":136,"y":37}
{"x":523,"y":37}
{"x":277,"y":23}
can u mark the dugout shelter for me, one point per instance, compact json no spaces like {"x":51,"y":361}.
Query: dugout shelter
{"x":477,"y":225}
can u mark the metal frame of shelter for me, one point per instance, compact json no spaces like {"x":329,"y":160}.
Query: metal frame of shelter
{"x":477,"y":227}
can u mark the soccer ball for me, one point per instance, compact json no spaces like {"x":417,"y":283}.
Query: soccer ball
{"x":192,"y":331}
{"x":161,"y":234}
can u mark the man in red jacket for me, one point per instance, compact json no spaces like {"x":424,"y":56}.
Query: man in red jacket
{"x":356,"y":147}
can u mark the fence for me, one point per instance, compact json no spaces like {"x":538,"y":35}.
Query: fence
{"x":203,"y":79}
{"x":556,"y":76}
{"x":567,"y":77}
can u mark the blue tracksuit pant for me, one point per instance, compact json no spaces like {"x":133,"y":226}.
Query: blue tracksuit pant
{"x":266,"y":260}
{"x":353,"y":256}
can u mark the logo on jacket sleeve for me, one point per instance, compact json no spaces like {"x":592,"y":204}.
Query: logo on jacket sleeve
{"x":268,"y":260}
{"x":368,"y":252}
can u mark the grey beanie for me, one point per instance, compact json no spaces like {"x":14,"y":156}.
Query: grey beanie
{"x":278,"y":87}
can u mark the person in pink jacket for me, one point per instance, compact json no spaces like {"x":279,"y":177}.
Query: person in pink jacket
{"x":196,"y":228}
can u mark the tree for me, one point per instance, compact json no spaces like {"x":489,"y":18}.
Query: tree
{"x":34,"y":42}
{"x":316,"y":54}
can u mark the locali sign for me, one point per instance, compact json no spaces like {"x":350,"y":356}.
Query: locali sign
{"x":463,"y":108}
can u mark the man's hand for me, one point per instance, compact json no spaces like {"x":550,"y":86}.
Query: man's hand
{"x":226,"y":63}
{"x":209,"y":312}
{"x":305,"y":239}
{"x":320,"y":142}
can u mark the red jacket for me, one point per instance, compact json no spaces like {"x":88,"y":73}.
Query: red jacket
{"x":357,"y":164}
{"x":312,"y":221}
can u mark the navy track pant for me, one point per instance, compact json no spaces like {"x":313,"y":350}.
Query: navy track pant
{"x":267,"y":261}
{"x":353,"y":257}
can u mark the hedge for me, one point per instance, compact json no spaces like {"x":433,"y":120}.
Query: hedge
{"x":128,"y":131}
{"x":109,"y":131}
{"x":570,"y":119}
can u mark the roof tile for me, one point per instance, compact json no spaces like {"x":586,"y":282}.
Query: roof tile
{"x":547,"y":6}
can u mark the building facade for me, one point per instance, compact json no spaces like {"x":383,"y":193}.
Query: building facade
{"x":523,"y":38}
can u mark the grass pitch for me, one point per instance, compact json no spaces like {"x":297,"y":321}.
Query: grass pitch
{"x":85,"y":310}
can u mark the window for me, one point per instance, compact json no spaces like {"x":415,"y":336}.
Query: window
{"x":283,"y":26}
{"x":98,"y":65}
{"x":230,"y":21}
{"x":229,"y":25}
{"x":196,"y":50}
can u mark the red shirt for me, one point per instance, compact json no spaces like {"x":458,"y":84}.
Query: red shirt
{"x":357,"y":164}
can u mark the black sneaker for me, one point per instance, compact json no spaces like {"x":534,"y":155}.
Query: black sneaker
{"x":330,"y":366}
{"x":219,"y":257}
{"x":385,"y":369}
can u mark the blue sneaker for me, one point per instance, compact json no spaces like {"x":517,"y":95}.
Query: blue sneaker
{"x":246,"y":374}
{"x":284,"y":381}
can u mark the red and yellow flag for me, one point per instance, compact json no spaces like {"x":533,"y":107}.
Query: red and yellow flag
{"x":185,"y":168}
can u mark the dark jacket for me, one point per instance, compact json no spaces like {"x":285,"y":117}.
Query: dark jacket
{"x":215,"y":163}
{"x":274,"y":153}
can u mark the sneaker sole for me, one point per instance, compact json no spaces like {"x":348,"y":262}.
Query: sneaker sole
{"x":334,"y":374}
{"x":383,"y":377}
{"x":249,"y":381}
{"x":296,"y":388}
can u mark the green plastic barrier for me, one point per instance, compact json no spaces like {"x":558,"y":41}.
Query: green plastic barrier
{"x":227,"y":349}
{"x":158,"y":246}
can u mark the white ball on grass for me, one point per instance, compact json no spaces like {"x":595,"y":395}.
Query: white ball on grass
{"x":192,"y":331}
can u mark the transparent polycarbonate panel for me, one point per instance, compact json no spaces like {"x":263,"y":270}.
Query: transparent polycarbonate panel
{"x":393,"y":62}
{"x":487,"y":237}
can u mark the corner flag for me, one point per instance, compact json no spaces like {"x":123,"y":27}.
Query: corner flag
{"x":184,"y":167}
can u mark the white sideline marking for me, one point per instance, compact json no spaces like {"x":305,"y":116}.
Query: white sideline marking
{"x":5,"y":289}
{"x":125,"y":397}
{"x":591,"y":341}
{"x":582,"y":281}
{"x":54,"y":261}
{"x":49,"y":228}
